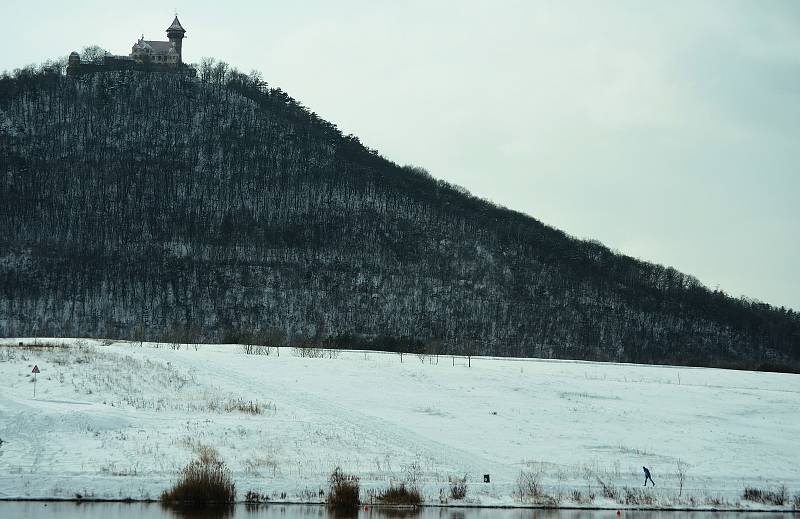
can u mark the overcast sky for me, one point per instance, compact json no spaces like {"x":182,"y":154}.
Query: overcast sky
{"x":667,"y":130}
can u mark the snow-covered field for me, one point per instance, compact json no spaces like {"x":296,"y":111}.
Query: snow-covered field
{"x":120,"y":420}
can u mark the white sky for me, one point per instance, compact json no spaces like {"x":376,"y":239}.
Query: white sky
{"x":667,"y":130}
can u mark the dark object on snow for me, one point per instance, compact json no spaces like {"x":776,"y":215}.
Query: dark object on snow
{"x":647,"y":476}
{"x":486,"y":478}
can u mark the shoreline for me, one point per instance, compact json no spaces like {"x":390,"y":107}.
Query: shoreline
{"x":423,"y":505}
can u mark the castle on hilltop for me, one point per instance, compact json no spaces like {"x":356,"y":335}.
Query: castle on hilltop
{"x":168,"y":52}
{"x":165,"y":56}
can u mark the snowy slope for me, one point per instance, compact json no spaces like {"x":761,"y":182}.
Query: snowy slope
{"x":120,"y":420}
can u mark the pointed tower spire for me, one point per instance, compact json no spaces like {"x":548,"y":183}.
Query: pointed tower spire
{"x":176,"y":26}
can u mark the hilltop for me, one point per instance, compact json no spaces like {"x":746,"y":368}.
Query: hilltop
{"x":162,"y":206}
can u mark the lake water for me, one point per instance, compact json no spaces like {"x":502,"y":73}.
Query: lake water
{"x":36,"y":510}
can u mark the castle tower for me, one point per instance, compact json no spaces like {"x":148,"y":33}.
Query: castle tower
{"x":175,"y":34}
{"x":74,"y":63}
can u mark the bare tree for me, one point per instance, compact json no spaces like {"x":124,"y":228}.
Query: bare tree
{"x":680,"y":470}
{"x":92,"y":52}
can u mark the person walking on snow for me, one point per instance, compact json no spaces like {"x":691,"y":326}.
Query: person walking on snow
{"x":647,"y":476}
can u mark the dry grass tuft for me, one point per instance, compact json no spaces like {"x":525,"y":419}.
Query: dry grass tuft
{"x":401,"y":495}
{"x":252,"y":497}
{"x":242,"y":406}
{"x":344,"y":491}
{"x":580,"y":498}
{"x":207,"y":454}
{"x":637,"y":496}
{"x":609,"y":492}
{"x":777,"y":497}
{"x":201,"y":484}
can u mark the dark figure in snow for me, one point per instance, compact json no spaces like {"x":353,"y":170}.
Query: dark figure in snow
{"x":647,"y":476}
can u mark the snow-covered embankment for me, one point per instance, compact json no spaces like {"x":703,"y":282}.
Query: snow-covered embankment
{"x":119,"y":420}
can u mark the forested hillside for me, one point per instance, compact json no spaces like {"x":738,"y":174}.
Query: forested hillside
{"x":155,"y":205}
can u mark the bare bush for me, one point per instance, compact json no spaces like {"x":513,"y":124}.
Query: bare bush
{"x":7,"y":354}
{"x":401,"y":495}
{"x":637,"y":496}
{"x":413,"y":473}
{"x":529,"y":486}
{"x":777,"y":497}
{"x":581,"y":498}
{"x":458,"y":487}
{"x":253,"y":498}
{"x":344,"y":491}
{"x":308,"y":352}
{"x":202,"y":483}
{"x":529,"y":489}
{"x":255,"y":349}
{"x":609,"y":492}
{"x":242,"y":406}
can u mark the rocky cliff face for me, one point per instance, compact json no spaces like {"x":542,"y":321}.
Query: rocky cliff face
{"x":146,"y":205}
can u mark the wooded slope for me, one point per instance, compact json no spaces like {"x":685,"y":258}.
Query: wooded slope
{"x":151,"y":205}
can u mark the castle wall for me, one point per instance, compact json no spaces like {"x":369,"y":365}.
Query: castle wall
{"x":88,"y":68}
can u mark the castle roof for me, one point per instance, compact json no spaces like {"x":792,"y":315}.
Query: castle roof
{"x":158,"y":47}
{"x":176,"y":26}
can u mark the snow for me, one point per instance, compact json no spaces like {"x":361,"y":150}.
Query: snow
{"x":119,"y":420}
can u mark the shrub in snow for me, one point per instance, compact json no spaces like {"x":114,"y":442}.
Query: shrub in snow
{"x":458,"y":487}
{"x":768,"y":497}
{"x":308,"y":352}
{"x":240,"y":405}
{"x":637,"y":496}
{"x":344,"y":491}
{"x":253,"y":497}
{"x":609,"y":492}
{"x":580,"y":498}
{"x":401,"y":495}
{"x":529,"y":489}
{"x":202,"y":482}
{"x":528,"y":486}
{"x":413,"y":473}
